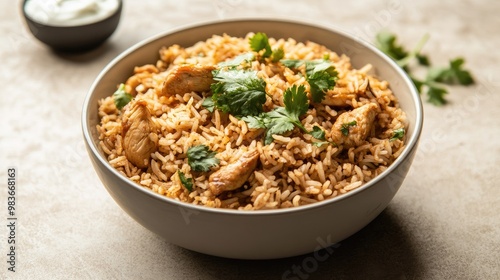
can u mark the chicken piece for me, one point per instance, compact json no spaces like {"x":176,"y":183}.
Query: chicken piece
{"x":233,"y":175}
{"x":351,"y":128}
{"x":188,"y":78}
{"x":137,"y":128}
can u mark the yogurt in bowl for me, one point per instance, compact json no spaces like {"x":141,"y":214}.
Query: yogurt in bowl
{"x":70,"y":12}
{"x":72,"y":25}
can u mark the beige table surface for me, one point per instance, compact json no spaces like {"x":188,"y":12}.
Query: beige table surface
{"x":444,"y":223}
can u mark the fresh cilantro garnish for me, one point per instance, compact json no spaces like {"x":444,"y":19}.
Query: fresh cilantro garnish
{"x":277,"y":55}
{"x":121,"y":97}
{"x":282,"y":119}
{"x":186,"y":182}
{"x":386,"y":42}
{"x":435,"y":94}
{"x":320,"y":74}
{"x":454,"y":74}
{"x":237,"y":60}
{"x":238,"y":92}
{"x":209,"y":104}
{"x":397,"y":134}
{"x":318,"y":133}
{"x":260,"y":41}
{"x":345,"y":127}
{"x":201,"y":158}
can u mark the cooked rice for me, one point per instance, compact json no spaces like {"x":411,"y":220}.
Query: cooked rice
{"x":291,"y":171}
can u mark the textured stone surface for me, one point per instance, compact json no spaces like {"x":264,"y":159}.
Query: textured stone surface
{"x":443,"y":224}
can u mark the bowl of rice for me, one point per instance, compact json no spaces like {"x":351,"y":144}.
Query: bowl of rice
{"x":252,"y":138}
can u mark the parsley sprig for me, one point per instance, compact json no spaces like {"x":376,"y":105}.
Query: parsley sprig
{"x":433,"y":85}
{"x":284,"y":119}
{"x":320,"y":74}
{"x":121,"y":97}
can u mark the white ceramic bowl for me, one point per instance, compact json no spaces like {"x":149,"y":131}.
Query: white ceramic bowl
{"x":261,"y":234}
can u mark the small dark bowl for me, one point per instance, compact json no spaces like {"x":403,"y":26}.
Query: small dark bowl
{"x":74,"y":38}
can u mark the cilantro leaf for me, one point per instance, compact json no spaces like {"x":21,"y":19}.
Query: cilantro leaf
{"x":186,"y":182}
{"x":386,"y":42}
{"x":321,"y":77}
{"x":277,"y":55}
{"x":282,"y":119}
{"x":201,"y":158}
{"x":436,"y":95}
{"x":121,"y":97}
{"x":295,"y":100}
{"x":280,"y":122}
{"x":238,"y":92}
{"x":209,"y":104}
{"x":318,"y":133}
{"x":454,"y":74}
{"x":259,"y":42}
{"x":292,"y":63}
{"x":320,"y":74}
{"x":345,"y":127}
{"x":237,"y":60}
{"x":260,"y":121}
{"x":423,"y":60}
{"x":397,"y":134}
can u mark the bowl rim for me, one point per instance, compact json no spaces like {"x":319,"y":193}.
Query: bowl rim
{"x":412,"y":140}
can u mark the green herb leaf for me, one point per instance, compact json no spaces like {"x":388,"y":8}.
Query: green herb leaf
{"x":259,"y":42}
{"x":454,"y":74}
{"x":186,"y":182}
{"x":277,"y":55}
{"x":260,"y":121}
{"x":423,"y":60}
{"x":237,"y":60}
{"x":386,"y":42}
{"x":282,"y":119}
{"x":320,"y":74}
{"x":345,"y":127}
{"x":292,"y":63}
{"x":318,"y":133}
{"x":121,"y":97}
{"x":209,"y":104}
{"x":397,"y":134}
{"x":238,"y":92}
{"x":435,"y":95}
{"x":295,"y":100}
{"x":201,"y":158}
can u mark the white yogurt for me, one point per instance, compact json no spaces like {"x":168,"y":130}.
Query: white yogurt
{"x":70,"y":12}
